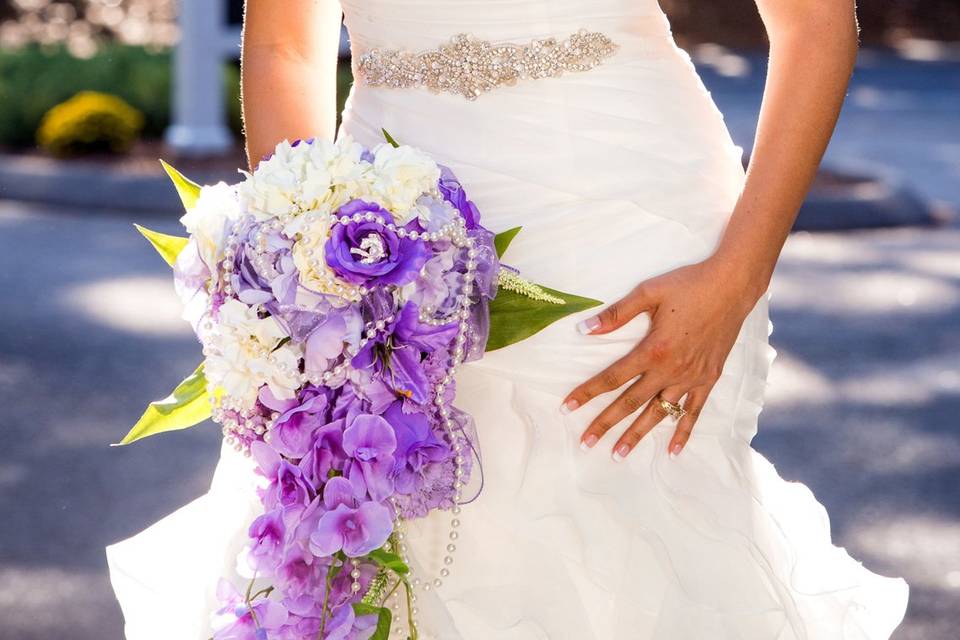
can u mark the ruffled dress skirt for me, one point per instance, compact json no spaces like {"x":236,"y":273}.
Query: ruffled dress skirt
{"x":616,"y":175}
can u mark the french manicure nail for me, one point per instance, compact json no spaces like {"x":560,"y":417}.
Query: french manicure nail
{"x":621,"y":452}
{"x":568,"y":406}
{"x":589,"y":325}
{"x":587,"y":443}
{"x":675,"y":449}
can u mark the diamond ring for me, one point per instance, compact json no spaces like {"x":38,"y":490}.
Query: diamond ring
{"x":673,"y":409}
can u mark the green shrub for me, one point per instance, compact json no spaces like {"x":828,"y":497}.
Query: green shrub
{"x":89,"y":121}
{"x":34,"y":79}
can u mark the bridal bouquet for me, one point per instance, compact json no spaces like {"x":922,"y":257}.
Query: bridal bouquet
{"x":335,"y":291}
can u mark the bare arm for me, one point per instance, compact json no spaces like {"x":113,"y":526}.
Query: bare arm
{"x":697,"y":311}
{"x":813,"y":46}
{"x":288,"y":72}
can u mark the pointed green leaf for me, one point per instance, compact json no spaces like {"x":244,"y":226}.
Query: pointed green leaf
{"x":169,"y":247}
{"x":514,"y":317}
{"x":384,"y":619}
{"x":503,"y":239}
{"x":389,"y":138}
{"x":187,"y":406}
{"x":188,"y":189}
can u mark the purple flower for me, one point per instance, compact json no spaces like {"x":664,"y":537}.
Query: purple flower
{"x":349,"y":525}
{"x":367,"y":252}
{"x":302,"y":574}
{"x":289,"y":491}
{"x":370,"y":441}
{"x":237,"y":620}
{"x":453,"y":192}
{"x":417,"y":447}
{"x":326,"y":342}
{"x":292,"y":434}
{"x":268,"y":533}
{"x":355,"y":531}
{"x":395,"y":355}
{"x":326,"y":453}
{"x":426,"y":337}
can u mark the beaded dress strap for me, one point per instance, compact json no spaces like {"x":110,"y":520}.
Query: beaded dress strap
{"x":470,"y":67}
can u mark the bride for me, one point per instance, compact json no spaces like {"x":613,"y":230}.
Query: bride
{"x":621,"y":496}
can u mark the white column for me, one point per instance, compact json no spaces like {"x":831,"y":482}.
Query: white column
{"x":199,"y":118}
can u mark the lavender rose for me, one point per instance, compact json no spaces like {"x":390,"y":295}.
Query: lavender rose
{"x":367,"y":252}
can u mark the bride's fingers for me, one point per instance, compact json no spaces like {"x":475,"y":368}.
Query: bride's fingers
{"x":696,"y":398}
{"x":619,"y":313}
{"x":613,"y":377}
{"x":652,"y":415}
{"x":629,"y":401}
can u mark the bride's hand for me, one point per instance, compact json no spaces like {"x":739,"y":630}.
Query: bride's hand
{"x":696,"y":313}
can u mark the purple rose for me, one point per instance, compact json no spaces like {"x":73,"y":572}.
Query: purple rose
{"x":366,"y":252}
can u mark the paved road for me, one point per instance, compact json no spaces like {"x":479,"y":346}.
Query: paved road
{"x":863,"y":406}
{"x":900,"y":121}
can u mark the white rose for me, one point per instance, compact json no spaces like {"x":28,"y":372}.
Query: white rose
{"x":403,"y":174}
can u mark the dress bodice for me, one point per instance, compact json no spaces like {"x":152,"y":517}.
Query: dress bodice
{"x":418,"y":24}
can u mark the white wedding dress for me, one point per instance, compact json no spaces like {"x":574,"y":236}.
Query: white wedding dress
{"x":616,"y":174}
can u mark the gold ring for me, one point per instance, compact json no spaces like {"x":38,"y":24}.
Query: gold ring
{"x":673,"y":409}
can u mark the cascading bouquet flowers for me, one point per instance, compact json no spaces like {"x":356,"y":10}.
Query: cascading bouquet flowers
{"x":335,"y":291}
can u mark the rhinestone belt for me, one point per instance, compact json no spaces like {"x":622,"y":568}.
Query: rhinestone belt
{"x":471,"y":67}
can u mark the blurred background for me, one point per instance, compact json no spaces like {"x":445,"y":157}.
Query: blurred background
{"x":864,"y":398}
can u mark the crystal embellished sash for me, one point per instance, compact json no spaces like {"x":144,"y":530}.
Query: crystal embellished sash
{"x":471,"y":67}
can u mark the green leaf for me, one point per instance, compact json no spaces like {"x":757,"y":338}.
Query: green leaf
{"x":187,"y":406}
{"x":188,"y":189}
{"x":169,"y":247}
{"x":384,"y":619}
{"x":364,"y":609}
{"x":389,"y":138}
{"x":389,"y":560}
{"x":514,"y":317}
{"x":503,"y":239}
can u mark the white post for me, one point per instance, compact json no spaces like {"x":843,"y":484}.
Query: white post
{"x":199,"y":118}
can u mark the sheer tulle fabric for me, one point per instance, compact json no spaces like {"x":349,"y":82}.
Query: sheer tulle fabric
{"x":616,"y":175}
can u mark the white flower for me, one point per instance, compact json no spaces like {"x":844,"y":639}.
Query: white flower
{"x":311,"y":231}
{"x":242,"y":355}
{"x":403,"y":174}
{"x":318,"y":175}
{"x":209,"y":219}
{"x":272,"y":188}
